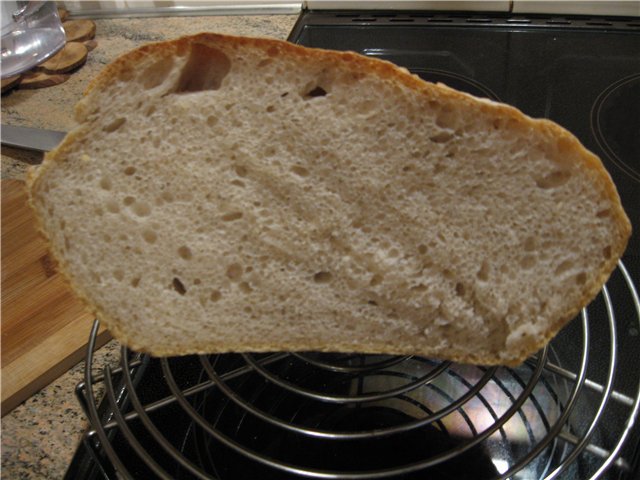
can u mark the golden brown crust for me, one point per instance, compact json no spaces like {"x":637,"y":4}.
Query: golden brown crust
{"x":566,"y":143}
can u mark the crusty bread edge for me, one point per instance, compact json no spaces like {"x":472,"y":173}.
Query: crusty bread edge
{"x":387,"y":71}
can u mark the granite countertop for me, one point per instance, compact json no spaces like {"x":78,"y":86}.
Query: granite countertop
{"x":40,"y":436}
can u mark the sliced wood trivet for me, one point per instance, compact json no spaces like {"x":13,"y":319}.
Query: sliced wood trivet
{"x":63,"y":14}
{"x":69,"y":58}
{"x":9,"y":83}
{"x":90,"y":44}
{"x":79,"y":30}
{"x":42,"y":79}
{"x":79,"y":36}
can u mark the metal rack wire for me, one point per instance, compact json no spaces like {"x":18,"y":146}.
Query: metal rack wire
{"x":565,"y":413}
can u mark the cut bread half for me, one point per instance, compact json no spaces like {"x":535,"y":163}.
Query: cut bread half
{"x":236,"y":194}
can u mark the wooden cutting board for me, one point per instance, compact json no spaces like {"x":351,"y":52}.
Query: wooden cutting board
{"x":45,"y":329}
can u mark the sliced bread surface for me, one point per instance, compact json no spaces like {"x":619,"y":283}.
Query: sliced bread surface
{"x":236,"y":194}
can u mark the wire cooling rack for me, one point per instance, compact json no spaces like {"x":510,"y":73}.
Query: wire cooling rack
{"x":567,"y":412}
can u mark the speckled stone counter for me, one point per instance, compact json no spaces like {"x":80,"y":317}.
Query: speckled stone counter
{"x":40,"y":436}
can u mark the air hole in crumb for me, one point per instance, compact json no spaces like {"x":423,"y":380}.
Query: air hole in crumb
{"x":553,"y":179}
{"x":141,"y":209}
{"x":606,"y":252}
{"x":563,"y":267}
{"x":271,"y":109}
{"x":529,"y":244}
{"x":375,"y":280}
{"x":178,"y":286}
{"x":241,"y":170}
{"x":130,"y":170}
{"x":118,"y":275}
{"x":245,"y":287}
{"x":128,"y":201}
{"x":442,"y":137}
{"x":314,"y":92}
{"x":212,"y":120}
{"x":105,"y":183}
{"x":322,"y":277}
{"x":156,"y":73}
{"x":112,"y":206}
{"x":300,"y":171}
{"x":422,"y":249}
{"x":232,"y":216}
{"x":528,"y":261}
{"x":438,"y":168}
{"x":215,"y":295}
{"x":234,"y":271}
{"x":205,"y":69}
{"x":581,"y":278}
{"x":460,"y":289}
{"x":372,"y":302}
{"x":106,"y":237}
{"x":185,"y":252}
{"x":238,"y":183}
{"x":197,"y":281}
{"x":115,"y":125}
{"x":483,"y":273}
{"x":446,"y":118}
{"x":135,"y":282}
{"x":603,"y":213}
{"x":167,"y":197}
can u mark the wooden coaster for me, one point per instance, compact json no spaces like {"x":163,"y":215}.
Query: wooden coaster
{"x":42,"y":79}
{"x":69,"y":58}
{"x":10,"y":82}
{"x":90,"y":44}
{"x":79,"y":30}
{"x":63,"y":14}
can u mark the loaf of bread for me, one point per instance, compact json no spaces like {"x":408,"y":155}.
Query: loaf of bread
{"x":226,"y":194}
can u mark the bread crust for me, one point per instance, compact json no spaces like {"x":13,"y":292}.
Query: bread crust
{"x":122,"y":67}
